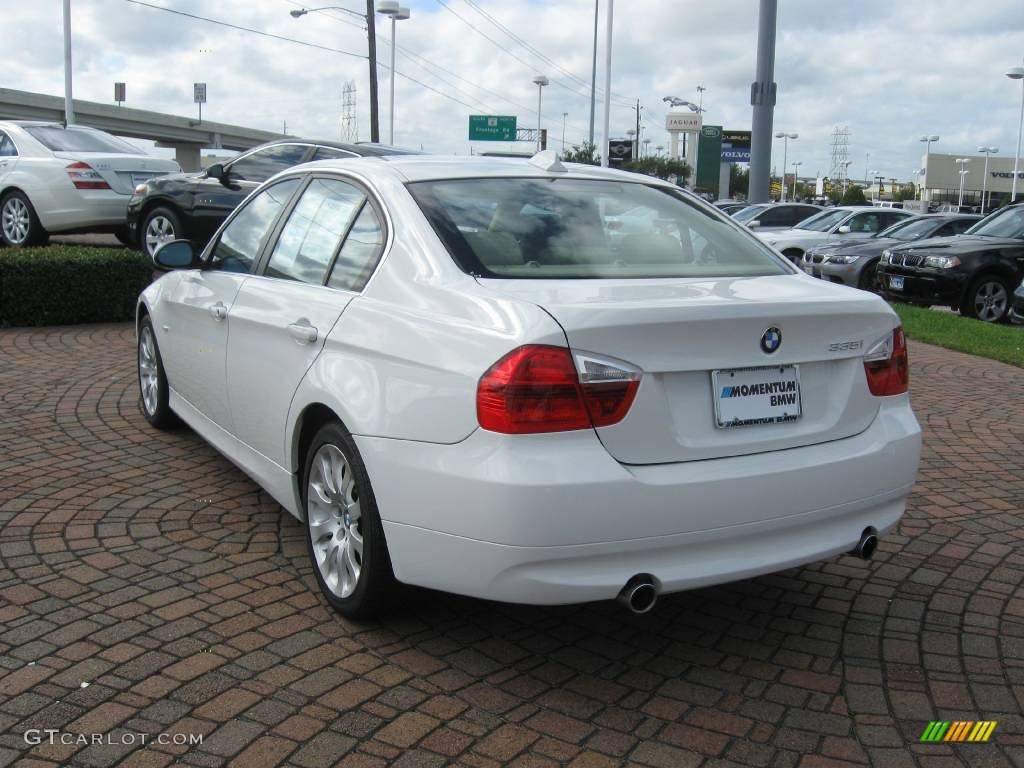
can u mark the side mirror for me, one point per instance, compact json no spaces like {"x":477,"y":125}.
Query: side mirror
{"x":754,"y":224}
{"x":844,"y":230}
{"x":175,"y":254}
{"x":217,"y":171}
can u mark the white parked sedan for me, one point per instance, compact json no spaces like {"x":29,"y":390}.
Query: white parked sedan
{"x":831,"y":225}
{"x":56,"y":179}
{"x":525,"y":409}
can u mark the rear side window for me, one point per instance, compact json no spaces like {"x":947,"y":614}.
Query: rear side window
{"x":579,"y":228}
{"x":360,"y":253}
{"x":264,"y":163}
{"x":57,"y":138}
{"x":330,"y":153}
{"x":314,"y":230}
{"x":242,"y":240}
{"x":7,"y":148}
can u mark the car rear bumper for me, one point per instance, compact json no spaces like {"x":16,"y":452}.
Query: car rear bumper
{"x":554,"y":519}
{"x":82,"y":209}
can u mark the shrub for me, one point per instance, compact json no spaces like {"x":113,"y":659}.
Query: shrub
{"x":67,"y":284}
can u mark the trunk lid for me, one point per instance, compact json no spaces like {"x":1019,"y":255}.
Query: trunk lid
{"x":680,"y":331}
{"x":122,"y":172}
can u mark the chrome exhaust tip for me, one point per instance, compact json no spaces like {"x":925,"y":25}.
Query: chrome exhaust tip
{"x":639,"y":595}
{"x":867,"y":545}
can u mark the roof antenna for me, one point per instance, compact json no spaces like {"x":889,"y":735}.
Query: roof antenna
{"x":548,"y":161}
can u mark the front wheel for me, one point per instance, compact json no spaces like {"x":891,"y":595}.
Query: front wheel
{"x":869,"y":278}
{"x":343,"y":529}
{"x":153,"y":389}
{"x":988,"y":299}
{"x":161,"y":225}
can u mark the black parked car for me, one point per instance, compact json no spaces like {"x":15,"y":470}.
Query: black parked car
{"x":854,"y":262}
{"x":193,"y":205}
{"x":975,"y":272}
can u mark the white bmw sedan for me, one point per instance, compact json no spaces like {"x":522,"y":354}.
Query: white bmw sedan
{"x":61,"y":179}
{"x":456,"y":378}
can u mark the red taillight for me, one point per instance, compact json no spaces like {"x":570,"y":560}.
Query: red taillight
{"x":84,"y":177}
{"x":538,"y":389}
{"x":887,"y":366}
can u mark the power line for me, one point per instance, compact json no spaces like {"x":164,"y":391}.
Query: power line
{"x":247,"y":29}
{"x":475,"y":6}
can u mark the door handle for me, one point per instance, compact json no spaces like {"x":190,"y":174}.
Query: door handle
{"x":303,"y":332}
{"x":219,"y":311}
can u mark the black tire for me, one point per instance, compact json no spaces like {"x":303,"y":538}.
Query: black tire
{"x":869,"y":278}
{"x":794,"y":255}
{"x":163,"y":219}
{"x":374,"y":584}
{"x":19,"y":225}
{"x":156,"y":408}
{"x":988,"y":298}
{"x":124,"y":237}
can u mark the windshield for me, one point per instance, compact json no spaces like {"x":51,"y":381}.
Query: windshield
{"x":912,"y":229}
{"x":59,"y":139}
{"x":746,"y":214}
{"x":1008,"y":222}
{"x":576,"y":228}
{"x":823,"y":222}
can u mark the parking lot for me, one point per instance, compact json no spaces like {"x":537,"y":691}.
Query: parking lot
{"x":146,"y":585}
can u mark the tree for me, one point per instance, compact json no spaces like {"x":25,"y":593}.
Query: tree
{"x":739,"y":180}
{"x":585,"y":153}
{"x":854,"y":196}
{"x":662,"y":167}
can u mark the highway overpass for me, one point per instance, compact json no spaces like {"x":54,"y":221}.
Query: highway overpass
{"x":185,"y":135}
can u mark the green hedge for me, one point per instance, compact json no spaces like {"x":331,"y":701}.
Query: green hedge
{"x":68,"y":284}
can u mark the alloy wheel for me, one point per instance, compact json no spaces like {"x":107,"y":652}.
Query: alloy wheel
{"x":16,"y":221}
{"x":334,"y":517}
{"x":990,"y":300}
{"x":149,"y":371}
{"x":159,"y":230}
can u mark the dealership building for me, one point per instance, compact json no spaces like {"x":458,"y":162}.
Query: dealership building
{"x":943,"y":178}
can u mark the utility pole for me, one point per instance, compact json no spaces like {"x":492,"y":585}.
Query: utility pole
{"x":69,"y":106}
{"x":605,"y":135}
{"x":762,"y":98}
{"x":593,"y":77}
{"x":636,"y":147}
{"x":371,"y":33}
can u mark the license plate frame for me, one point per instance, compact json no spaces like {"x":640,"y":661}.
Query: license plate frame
{"x":723,"y":382}
{"x":896,"y":282}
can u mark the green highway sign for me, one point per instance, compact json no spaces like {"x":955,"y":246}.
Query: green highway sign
{"x":492,"y":128}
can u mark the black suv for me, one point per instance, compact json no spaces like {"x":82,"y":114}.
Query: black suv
{"x":975,"y":272}
{"x":193,"y":205}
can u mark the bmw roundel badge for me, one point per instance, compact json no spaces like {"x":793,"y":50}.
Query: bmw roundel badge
{"x":771,"y":340}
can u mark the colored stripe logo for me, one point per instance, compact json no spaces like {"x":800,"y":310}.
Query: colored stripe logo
{"x":958,"y":730}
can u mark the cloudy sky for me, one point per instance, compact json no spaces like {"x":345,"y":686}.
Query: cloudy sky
{"x":890,"y":71}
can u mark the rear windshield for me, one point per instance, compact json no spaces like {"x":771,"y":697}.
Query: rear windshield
{"x":59,"y":139}
{"x":824,"y":221}
{"x":576,"y":228}
{"x":745,"y":214}
{"x":912,"y":229}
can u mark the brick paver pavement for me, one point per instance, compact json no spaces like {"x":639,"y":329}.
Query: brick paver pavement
{"x":146,"y":566}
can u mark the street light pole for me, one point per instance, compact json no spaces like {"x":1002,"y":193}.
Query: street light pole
{"x":962,"y":162}
{"x":796,"y":169}
{"x":987,"y":151}
{"x":785,"y":151}
{"x":607,"y":84}
{"x":762,"y":99}
{"x":593,"y":76}
{"x":927,"y":153}
{"x":540,"y":81}
{"x":397,"y":13}
{"x":846,"y":174}
{"x":565,"y":116}
{"x":1017,"y":73}
{"x":69,"y":106}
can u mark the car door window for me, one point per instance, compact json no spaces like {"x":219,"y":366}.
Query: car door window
{"x":7,"y":148}
{"x":360,"y":253}
{"x":314,"y":230}
{"x":801,"y":212}
{"x":240,"y":243}
{"x":261,"y":165}
{"x":866,"y":222}
{"x":960,"y":226}
{"x":776,"y":216}
{"x":330,"y":153}
{"x":888,"y":219}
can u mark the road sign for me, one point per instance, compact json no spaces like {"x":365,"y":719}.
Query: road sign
{"x":119,"y":92}
{"x":199,"y":93}
{"x":620,"y":151}
{"x":492,"y":128}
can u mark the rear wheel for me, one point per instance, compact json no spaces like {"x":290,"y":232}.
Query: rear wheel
{"x":988,"y":299}
{"x":19,"y":225}
{"x":161,"y":225}
{"x":343,"y":529}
